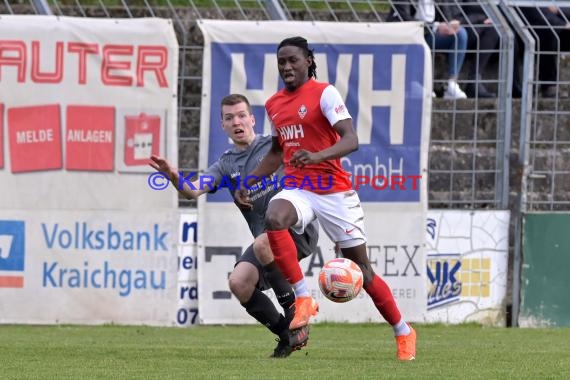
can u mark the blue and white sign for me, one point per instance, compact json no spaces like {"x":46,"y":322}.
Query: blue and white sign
{"x":12,"y":245}
{"x":88,"y":267}
{"x":383,"y":87}
{"x":384,"y":74}
{"x":12,"y":253}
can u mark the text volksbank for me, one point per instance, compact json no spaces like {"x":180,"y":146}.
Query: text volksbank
{"x":103,"y":275}
{"x":82,"y":236}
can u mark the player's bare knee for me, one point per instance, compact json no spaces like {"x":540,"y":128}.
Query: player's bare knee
{"x":262,"y":249}
{"x":234,"y":284}
{"x":280,"y":215}
{"x":242,"y":280}
{"x":367,"y":271}
{"x":239,"y":288}
{"x":367,"y":275}
{"x":275,"y":222}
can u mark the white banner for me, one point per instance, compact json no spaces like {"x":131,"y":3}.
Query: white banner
{"x":467,"y":266}
{"x":383,"y":71}
{"x":84,"y":238}
{"x":187,"y":313}
{"x":89,"y":267}
{"x":84,"y":102}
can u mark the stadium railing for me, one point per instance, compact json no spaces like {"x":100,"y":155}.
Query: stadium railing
{"x":469,"y":138}
{"x":543,"y":149}
{"x":497,"y":153}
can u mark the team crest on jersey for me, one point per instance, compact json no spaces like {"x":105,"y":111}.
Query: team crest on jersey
{"x":302,"y":111}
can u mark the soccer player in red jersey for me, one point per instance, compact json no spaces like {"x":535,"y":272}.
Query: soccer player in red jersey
{"x":312,"y":129}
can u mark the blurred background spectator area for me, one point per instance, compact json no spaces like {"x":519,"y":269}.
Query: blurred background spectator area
{"x":514,"y":75}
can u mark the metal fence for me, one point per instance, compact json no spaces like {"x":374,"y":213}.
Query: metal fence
{"x":470,"y":138}
{"x":544,"y":144}
{"x":543,"y":148}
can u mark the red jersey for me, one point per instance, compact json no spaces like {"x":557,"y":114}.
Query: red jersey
{"x":303,"y":119}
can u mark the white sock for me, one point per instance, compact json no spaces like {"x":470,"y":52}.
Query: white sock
{"x":301,"y":289}
{"x":401,"y":328}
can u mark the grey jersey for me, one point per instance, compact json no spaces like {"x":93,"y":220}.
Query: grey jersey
{"x":231,"y":169}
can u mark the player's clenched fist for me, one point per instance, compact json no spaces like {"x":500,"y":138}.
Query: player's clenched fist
{"x":242,"y":199}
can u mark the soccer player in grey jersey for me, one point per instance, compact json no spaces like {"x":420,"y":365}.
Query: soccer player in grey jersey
{"x":256,"y":269}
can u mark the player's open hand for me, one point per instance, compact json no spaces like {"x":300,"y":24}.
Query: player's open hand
{"x":303,"y":157}
{"x":160,"y":164}
{"x":242,"y":199}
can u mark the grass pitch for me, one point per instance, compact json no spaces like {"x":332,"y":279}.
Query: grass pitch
{"x":340,"y":351}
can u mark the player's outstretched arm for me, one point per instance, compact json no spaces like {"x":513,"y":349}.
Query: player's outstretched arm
{"x":190,"y":191}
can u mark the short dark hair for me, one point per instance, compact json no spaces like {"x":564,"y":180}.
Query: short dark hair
{"x":303,"y":44}
{"x":233,"y":99}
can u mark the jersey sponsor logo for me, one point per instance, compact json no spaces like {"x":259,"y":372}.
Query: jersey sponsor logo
{"x":340,"y":109}
{"x":291,"y":132}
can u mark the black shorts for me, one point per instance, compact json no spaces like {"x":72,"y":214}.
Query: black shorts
{"x":306,"y":245}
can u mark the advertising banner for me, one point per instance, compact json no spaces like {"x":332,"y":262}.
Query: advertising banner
{"x":383,"y":72}
{"x":187,"y":298}
{"x":88,"y":267}
{"x":465,"y":272}
{"x":82,"y":102}
{"x":467,"y":266}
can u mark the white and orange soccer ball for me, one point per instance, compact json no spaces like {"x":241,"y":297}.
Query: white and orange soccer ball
{"x":340,"y":280}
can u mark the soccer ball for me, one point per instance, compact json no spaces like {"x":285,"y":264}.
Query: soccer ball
{"x":340,"y":280}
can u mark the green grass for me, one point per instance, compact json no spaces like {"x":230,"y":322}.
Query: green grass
{"x":339,"y":351}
